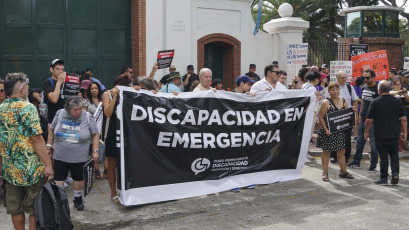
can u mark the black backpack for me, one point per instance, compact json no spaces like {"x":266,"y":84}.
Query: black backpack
{"x":51,"y":208}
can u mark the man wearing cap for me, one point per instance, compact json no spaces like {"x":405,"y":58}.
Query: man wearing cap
{"x":325,"y":69}
{"x":165,"y":78}
{"x":52,"y":89}
{"x":269,"y":82}
{"x":243,"y":84}
{"x":189,"y":78}
{"x":252,"y":73}
{"x":173,"y":84}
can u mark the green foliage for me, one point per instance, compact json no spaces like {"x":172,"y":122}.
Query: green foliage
{"x":404,"y":30}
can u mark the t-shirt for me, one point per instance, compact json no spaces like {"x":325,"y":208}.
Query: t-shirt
{"x":72,"y":136}
{"x":349,"y":97}
{"x":52,"y":108}
{"x":19,"y":121}
{"x":253,"y":76}
{"x":358,"y":91}
{"x":368,"y":94}
{"x":192,"y":78}
{"x":261,"y":85}
{"x":201,"y":88}
{"x":170,"y":87}
{"x":164,"y":79}
{"x":386,"y":111}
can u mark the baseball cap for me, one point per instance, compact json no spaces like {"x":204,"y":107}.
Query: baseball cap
{"x":244,"y":79}
{"x":56,"y":61}
{"x":190,"y":67}
{"x":324,"y":66}
{"x":85,"y":84}
{"x":174,"y":75}
{"x":252,"y":65}
{"x":323,"y":75}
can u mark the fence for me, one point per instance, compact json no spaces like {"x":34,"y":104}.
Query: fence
{"x":322,"y":52}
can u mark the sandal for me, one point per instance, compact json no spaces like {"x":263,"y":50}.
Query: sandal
{"x":115,"y":199}
{"x":325,"y":176}
{"x":97,"y":174}
{"x":346,"y":175}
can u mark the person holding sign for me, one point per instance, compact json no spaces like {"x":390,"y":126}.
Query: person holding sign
{"x":70,"y":135}
{"x":332,"y":141}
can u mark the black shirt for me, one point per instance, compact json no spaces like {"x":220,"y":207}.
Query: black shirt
{"x":368,"y":94}
{"x":386,"y":111}
{"x":52,"y":108}
{"x":253,"y":76}
{"x":192,"y":78}
{"x":164,"y":79}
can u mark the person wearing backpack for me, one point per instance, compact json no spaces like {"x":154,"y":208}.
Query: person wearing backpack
{"x":70,"y":135}
{"x":52,"y":89}
{"x":24,"y":160}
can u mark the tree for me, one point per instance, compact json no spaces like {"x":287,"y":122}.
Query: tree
{"x":393,"y":3}
{"x":404,"y":30}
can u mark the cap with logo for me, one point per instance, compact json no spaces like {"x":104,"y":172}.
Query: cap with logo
{"x":252,"y":65}
{"x":324,"y":66}
{"x":244,"y":79}
{"x":190,"y":67}
{"x":174,"y":75}
{"x":56,"y":62}
{"x":85,"y":84}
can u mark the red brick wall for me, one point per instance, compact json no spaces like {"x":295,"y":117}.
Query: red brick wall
{"x":138,"y":35}
{"x":393,"y":47}
{"x":231,"y":56}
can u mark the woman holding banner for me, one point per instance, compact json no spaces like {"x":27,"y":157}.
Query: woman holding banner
{"x":332,"y":141}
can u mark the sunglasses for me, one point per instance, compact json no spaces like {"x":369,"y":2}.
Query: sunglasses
{"x":172,"y":69}
{"x":25,"y":82}
{"x":367,"y":78}
{"x":277,"y":72}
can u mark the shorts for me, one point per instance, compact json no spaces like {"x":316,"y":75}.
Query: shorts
{"x":62,"y":168}
{"x":20,"y":199}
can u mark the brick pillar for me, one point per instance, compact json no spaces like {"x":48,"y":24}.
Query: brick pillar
{"x":138,"y":36}
{"x":393,"y":47}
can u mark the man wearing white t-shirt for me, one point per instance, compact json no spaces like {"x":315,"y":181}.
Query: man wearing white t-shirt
{"x":269,"y":82}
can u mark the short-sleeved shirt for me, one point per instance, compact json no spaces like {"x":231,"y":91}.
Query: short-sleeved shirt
{"x":261,"y":85}
{"x":52,"y":108}
{"x":349,"y":97}
{"x":201,"y":88}
{"x":19,"y":121}
{"x":192,"y":78}
{"x":368,"y":94}
{"x":386,"y":111}
{"x":164,"y":79}
{"x":170,"y":87}
{"x":72,"y":136}
{"x":253,"y":76}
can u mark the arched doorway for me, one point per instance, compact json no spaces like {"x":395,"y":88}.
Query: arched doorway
{"x":221,"y":54}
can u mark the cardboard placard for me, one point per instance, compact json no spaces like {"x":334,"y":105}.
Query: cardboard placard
{"x":377,"y":61}
{"x":71,"y":86}
{"x":336,"y":66}
{"x":165,"y":58}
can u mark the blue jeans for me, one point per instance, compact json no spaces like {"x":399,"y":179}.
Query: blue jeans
{"x":360,"y":143}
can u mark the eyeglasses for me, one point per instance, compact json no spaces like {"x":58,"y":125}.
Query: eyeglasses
{"x":25,"y":82}
{"x":367,"y":78}
{"x":277,"y":72}
{"x":172,"y":69}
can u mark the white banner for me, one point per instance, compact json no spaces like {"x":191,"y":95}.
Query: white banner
{"x":170,"y":149}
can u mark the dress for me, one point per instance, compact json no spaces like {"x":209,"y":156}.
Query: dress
{"x":335,"y":141}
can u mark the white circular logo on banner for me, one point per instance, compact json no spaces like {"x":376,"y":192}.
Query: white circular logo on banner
{"x":200,"y":165}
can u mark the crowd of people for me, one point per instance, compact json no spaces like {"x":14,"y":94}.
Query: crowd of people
{"x":51,"y":136}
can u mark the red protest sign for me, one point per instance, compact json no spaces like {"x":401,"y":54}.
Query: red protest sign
{"x":377,"y":61}
{"x":165,"y":58}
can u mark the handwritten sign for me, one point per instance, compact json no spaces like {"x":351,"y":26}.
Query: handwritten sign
{"x":336,"y":66}
{"x":377,"y":61}
{"x":297,"y":54}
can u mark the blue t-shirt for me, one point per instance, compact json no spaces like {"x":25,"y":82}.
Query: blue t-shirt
{"x":170,"y":87}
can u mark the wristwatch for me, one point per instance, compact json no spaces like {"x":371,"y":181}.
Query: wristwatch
{"x":96,"y":151}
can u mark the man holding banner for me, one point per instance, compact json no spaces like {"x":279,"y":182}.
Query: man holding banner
{"x":269,"y":82}
{"x":369,"y":93}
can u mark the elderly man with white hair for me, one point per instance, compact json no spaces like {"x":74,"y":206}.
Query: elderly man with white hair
{"x":205,"y":77}
{"x":348,"y":93}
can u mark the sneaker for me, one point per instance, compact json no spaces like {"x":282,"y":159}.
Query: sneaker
{"x":78,"y":203}
{"x":354,"y":140}
{"x":333,"y":160}
{"x":98,"y":174}
{"x":251,"y":186}
{"x":236,"y":190}
{"x":395,"y":179}
{"x":381,"y":181}
{"x":371,"y":169}
{"x":353,"y":165}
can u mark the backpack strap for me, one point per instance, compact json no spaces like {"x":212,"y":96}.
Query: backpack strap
{"x":349,"y":89}
{"x":51,"y":81}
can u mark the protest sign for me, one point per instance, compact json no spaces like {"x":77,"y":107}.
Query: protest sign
{"x":340,"y":120}
{"x":71,"y":86}
{"x":377,"y":61}
{"x":165,"y":58}
{"x":297,"y":54}
{"x":336,"y":66}
{"x":88,"y":171}
{"x":357,"y":49}
{"x":206,"y":142}
{"x":99,"y":116}
{"x":406,"y":63}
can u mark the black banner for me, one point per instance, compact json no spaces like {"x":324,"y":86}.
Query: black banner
{"x":341,"y":120}
{"x":357,"y":49}
{"x":89,"y":176}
